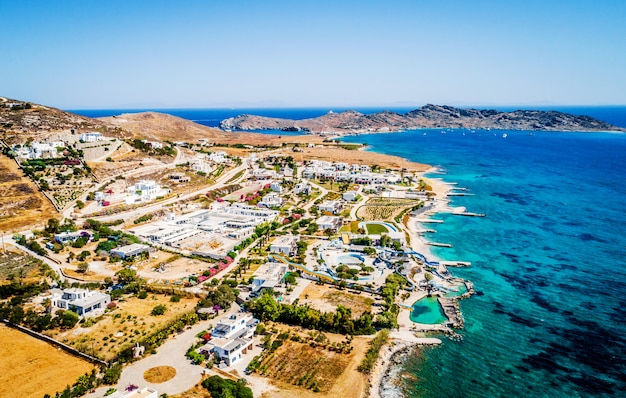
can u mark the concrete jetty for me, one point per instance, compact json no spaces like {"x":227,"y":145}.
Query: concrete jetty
{"x":459,"y":194}
{"x":438,"y":244}
{"x":430,"y":221}
{"x":455,"y":263}
{"x":468,"y":214}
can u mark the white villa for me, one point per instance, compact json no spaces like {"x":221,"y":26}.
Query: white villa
{"x":144,"y":190}
{"x":349,"y":196}
{"x":329,"y":222}
{"x":85,"y":303}
{"x":331,"y":206}
{"x":302,"y":187}
{"x":271,"y":200}
{"x":91,"y":137}
{"x":285,"y":244}
{"x":130,"y":251}
{"x":218,"y":157}
{"x":39,"y":150}
{"x":269,"y":275}
{"x":231,"y":338}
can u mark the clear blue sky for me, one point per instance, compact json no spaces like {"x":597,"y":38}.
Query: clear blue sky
{"x":232,"y":53}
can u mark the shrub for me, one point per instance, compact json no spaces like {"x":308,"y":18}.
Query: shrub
{"x":158,"y":310}
{"x":175,"y":298}
{"x":142,"y":294}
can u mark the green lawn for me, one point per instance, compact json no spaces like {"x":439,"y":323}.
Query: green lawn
{"x":376,"y":229}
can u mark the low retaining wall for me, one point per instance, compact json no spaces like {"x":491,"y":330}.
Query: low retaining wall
{"x":50,"y":340}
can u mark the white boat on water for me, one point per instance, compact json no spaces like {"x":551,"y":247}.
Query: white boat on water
{"x":504,"y":135}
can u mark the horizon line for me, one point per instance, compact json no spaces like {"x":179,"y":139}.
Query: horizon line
{"x":344,"y":107}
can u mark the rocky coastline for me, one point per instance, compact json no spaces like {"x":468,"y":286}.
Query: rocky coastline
{"x":428,"y":116}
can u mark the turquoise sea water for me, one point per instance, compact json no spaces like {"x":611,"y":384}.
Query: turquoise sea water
{"x":548,"y":262}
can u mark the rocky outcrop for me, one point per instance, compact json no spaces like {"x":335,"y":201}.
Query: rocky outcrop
{"x":428,"y":116}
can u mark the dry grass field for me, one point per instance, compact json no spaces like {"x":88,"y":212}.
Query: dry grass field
{"x":128,"y":323}
{"x":21,"y":203}
{"x":335,"y":375}
{"x":19,"y":266}
{"x":327,"y":298}
{"x":32,"y":368}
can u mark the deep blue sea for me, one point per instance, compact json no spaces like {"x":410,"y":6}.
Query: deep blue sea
{"x":548,"y":261}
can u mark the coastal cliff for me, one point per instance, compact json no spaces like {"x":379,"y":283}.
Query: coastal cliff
{"x":428,"y":116}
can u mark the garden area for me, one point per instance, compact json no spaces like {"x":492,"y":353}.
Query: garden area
{"x":384,"y":209}
{"x":128,"y":321}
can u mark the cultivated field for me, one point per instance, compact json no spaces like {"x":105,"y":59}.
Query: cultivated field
{"x":32,"y":368}
{"x":383,"y":209}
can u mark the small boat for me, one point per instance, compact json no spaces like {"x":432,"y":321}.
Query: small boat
{"x":504,"y":135}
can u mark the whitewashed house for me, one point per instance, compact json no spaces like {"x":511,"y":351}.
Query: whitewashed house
{"x":85,"y":303}
{"x":91,"y":137}
{"x":329,"y":222}
{"x":231,"y":338}
{"x":285,"y":244}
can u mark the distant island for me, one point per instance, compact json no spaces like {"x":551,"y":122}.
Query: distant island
{"x":428,"y":116}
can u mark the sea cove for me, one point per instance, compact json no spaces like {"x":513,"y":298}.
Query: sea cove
{"x":547,"y":262}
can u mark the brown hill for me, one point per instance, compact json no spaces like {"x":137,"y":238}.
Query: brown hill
{"x":164,"y":127}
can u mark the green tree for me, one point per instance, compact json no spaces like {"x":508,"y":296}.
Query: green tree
{"x":112,"y":374}
{"x":127,"y":276}
{"x":225,"y":388}
{"x":53,"y":226}
{"x":69,"y":319}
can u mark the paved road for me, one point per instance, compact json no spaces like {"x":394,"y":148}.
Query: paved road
{"x":172,"y":353}
{"x":324,"y":192}
{"x":133,"y":214}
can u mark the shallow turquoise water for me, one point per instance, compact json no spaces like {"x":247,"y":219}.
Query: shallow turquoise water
{"x":428,"y":311}
{"x":548,"y":262}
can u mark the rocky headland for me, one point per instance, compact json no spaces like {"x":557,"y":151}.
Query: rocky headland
{"x":428,"y":116}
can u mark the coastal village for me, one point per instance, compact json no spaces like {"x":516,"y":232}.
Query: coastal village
{"x":169,"y":268}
